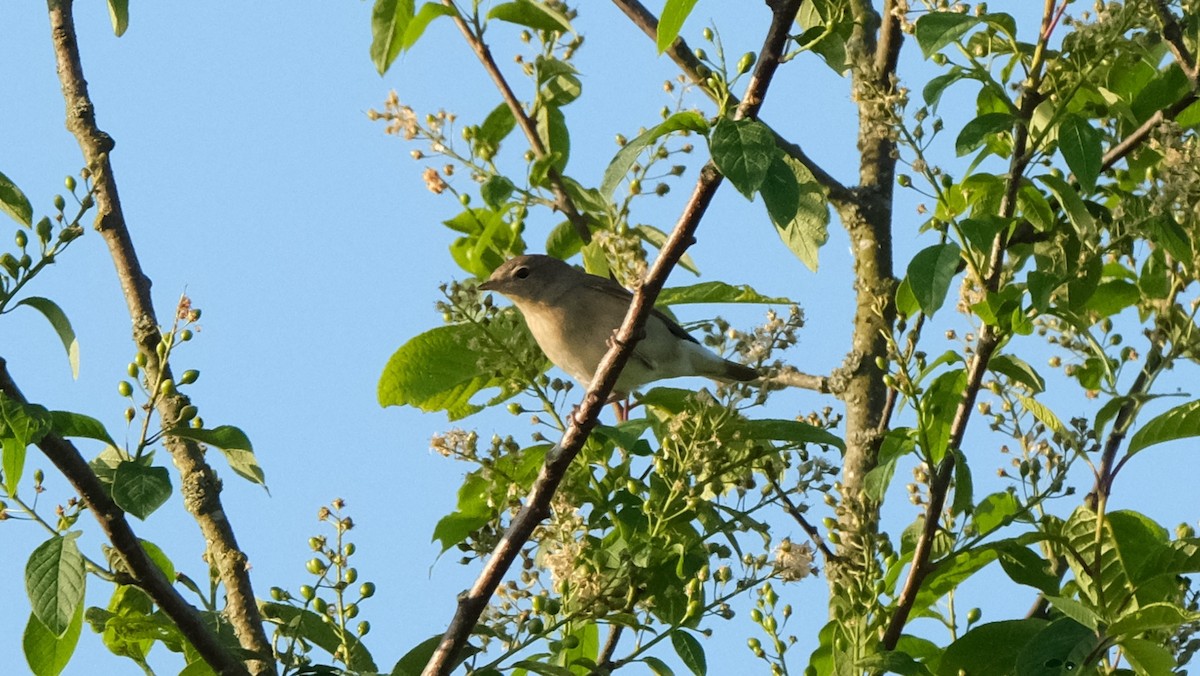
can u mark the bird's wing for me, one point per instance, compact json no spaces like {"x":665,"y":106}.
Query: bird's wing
{"x":615,"y":290}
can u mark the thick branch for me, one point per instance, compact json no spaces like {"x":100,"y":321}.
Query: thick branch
{"x":558,"y":460}
{"x":146,"y":575}
{"x":200,"y":486}
{"x":563,"y":201}
{"x":682,"y":55}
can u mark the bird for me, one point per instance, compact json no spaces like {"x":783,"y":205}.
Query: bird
{"x":573,"y":316}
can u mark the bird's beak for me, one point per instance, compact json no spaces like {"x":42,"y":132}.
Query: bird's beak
{"x":489,"y":285}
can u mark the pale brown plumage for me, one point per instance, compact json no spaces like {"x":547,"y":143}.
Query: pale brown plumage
{"x":573,"y":315}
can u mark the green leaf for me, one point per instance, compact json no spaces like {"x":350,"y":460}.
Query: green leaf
{"x":690,"y":652}
{"x":715,"y":292}
{"x":495,"y":190}
{"x":674,"y":13}
{"x":14,"y":202}
{"x":456,"y":526}
{"x":47,"y":653}
{"x":417,"y":25}
{"x":906,"y":301}
{"x":964,"y":486}
{"x":951,"y":572}
{"x":535,"y":15}
{"x":118,"y":13}
{"x":563,"y":241}
{"x":797,"y":207}
{"x":994,"y":511}
{"x":930,"y":273}
{"x":436,"y":371}
{"x":62,"y":326}
{"x":139,"y":489}
{"x":1180,"y":422}
{"x":13,"y":463}
{"x":932,"y":93}
{"x":938,"y":29}
{"x":1043,"y":414}
{"x":389,"y":21}
{"x":658,"y":239}
{"x":688,"y":120}
{"x":55,"y":581}
{"x":937,"y":410}
{"x":234,"y":444}
{"x":990,"y":649}
{"x":1112,"y":296}
{"x":20,"y":425}
{"x":495,"y":127}
{"x":1151,"y":617}
{"x":975,"y":133}
{"x":307,"y":625}
{"x":543,"y":669}
{"x":1069,"y":198}
{"x":1060,"y":648}
{"x":552,"y":129}
{"x":1075,"y":610}
{"x":1149,"y":657}
{"x":1080,"y":144}
{"x":743,"y":151}
{"x":792,"y":431}
{"x":416,"y":658}
{"x":1018,"y":371}
{"x":1024,"y":566}
{"x":657,"y":666}
{"x":1169,"y":235}
{"x":79,"y":426}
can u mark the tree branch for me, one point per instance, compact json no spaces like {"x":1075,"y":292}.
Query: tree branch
{"x":200,"y":485}
{"x":682,"y":55}
{"x":989,"y":340}
{"x":798,"y":516}
{"x":790,"y":376}
{"x":1173,"y":34}
{"x":563,"y":201}
{"x":558,"y":459}
{"x":145,"y":574}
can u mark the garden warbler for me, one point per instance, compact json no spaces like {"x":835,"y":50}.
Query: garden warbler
{"x":573,"y":316}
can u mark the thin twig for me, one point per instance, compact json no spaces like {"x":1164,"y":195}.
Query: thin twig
{"x":790,"y":376}
{"x":146,"y":574}
{"x":682,"y":55}
{"x":558,"y":459}
{"x":795,"y":513}
{"x":201,"y":487}
{"x":563,"y":201}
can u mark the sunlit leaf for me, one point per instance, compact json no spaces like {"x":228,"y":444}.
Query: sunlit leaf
{"x":674,"y":13}
{"x":935,"y":30}
{"x":55,"y":581}
{"x":743,"y":151}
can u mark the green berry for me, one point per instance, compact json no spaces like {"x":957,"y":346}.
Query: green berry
{"x":124,"y":388}
{"x":189,"y":377}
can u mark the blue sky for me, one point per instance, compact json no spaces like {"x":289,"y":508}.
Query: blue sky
{"x":253,"y":181}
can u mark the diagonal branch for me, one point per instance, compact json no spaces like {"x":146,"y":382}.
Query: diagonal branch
{"x":989,"y":341}
{"x":682,"y":55}
{"x":200,"y":486}
{"x":563,"y":201}
{"x":146,"y":574}
{"x":537,"y":504}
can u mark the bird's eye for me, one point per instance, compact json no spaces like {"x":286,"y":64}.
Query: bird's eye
{"x":521,"y":273}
